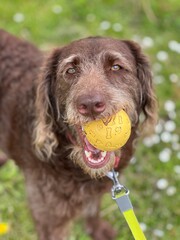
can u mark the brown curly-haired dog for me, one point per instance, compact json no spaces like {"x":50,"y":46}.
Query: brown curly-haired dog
{"x":44,"y":101}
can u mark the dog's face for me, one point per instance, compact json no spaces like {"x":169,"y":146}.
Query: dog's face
{"x":92,"y":79}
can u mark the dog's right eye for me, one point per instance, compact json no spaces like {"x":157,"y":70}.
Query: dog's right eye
{"x":116,"y":67}
{"x":71,"y":70}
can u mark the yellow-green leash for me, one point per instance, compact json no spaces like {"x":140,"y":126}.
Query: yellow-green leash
{"x":121,"y":194}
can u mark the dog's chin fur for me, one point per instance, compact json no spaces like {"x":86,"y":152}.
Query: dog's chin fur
{"x":77,"y":157}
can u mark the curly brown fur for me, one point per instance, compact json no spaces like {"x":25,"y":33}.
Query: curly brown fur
{"x":44,"y":102}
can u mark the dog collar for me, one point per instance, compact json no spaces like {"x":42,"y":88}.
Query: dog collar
{"x":116,"y":163}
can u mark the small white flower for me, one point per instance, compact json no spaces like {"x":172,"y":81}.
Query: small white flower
{"x":57,"y":9}
{"x":143,"y":226}
{"x":162,"y":56}
{"x":177,"y":169}
{"x":172,"y":115}
{"x":170,"y":126}
{"x":155,"y":139}
{"x":174,"y":46}
{"x":158,"y":79}
{"x":158,"y":233}
{"x":133,"y":160}
{"x":19,"y":17}
{"x":171,"y":190}
{"x":105,"y":25}
{"x":169,"y":106}
{"x":159,"y":127}
{"x":174,"y":78}
{"x":165,"y":155}
{"x":162,"y":184}
{"x":117,"y":27}
{"x":166,"y":137}
{"x":147,"y":142}
{"x":147,"y":42}
{"x":175,"y":146}
{"x":151,"y":140}
{"x":137,"y":38}
{"x":169,"y":226}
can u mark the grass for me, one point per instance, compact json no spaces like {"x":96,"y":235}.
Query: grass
{"x":153,"y":177}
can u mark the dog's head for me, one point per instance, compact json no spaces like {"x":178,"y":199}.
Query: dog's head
{"x":89,"y":79}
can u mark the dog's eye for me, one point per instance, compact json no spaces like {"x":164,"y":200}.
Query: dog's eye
{"x":71,"y":70}
{"x":116,"y":67}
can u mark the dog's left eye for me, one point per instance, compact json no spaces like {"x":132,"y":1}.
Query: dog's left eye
{"x":116,"y":67}
{"x":71,"y":70}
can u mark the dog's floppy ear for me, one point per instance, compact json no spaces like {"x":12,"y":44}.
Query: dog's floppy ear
{"x":148,"y":100}
{"x":46,"y":108}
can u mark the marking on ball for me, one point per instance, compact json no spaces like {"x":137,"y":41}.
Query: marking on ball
{"x":108,"y":133}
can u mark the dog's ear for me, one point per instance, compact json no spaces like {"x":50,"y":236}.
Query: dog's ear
{"x":144,"y":74}
{"x":46,"y":107}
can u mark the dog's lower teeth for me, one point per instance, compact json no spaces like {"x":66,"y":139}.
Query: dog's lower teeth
{"x":88,"y":154}
{"x":95,"y":161}
{"x":103,"y":154}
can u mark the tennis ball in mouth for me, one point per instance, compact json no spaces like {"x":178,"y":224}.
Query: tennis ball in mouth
{"x":109,"y":134}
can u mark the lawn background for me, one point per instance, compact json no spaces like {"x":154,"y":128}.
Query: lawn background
{"x":153,"y":175}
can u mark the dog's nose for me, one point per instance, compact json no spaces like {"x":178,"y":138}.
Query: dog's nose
{"x":91,"y":105}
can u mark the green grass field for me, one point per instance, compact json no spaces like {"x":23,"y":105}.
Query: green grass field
{"x":154,"y":174}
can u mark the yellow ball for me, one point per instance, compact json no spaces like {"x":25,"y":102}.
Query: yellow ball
{"x":109,"y":134}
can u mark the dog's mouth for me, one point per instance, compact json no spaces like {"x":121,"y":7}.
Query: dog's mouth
{"x":94,"y":159}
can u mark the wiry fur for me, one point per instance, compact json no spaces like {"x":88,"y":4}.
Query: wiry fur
{"x":39,"y":119}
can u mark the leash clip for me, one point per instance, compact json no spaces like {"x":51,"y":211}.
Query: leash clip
{"x":118,"y":189}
